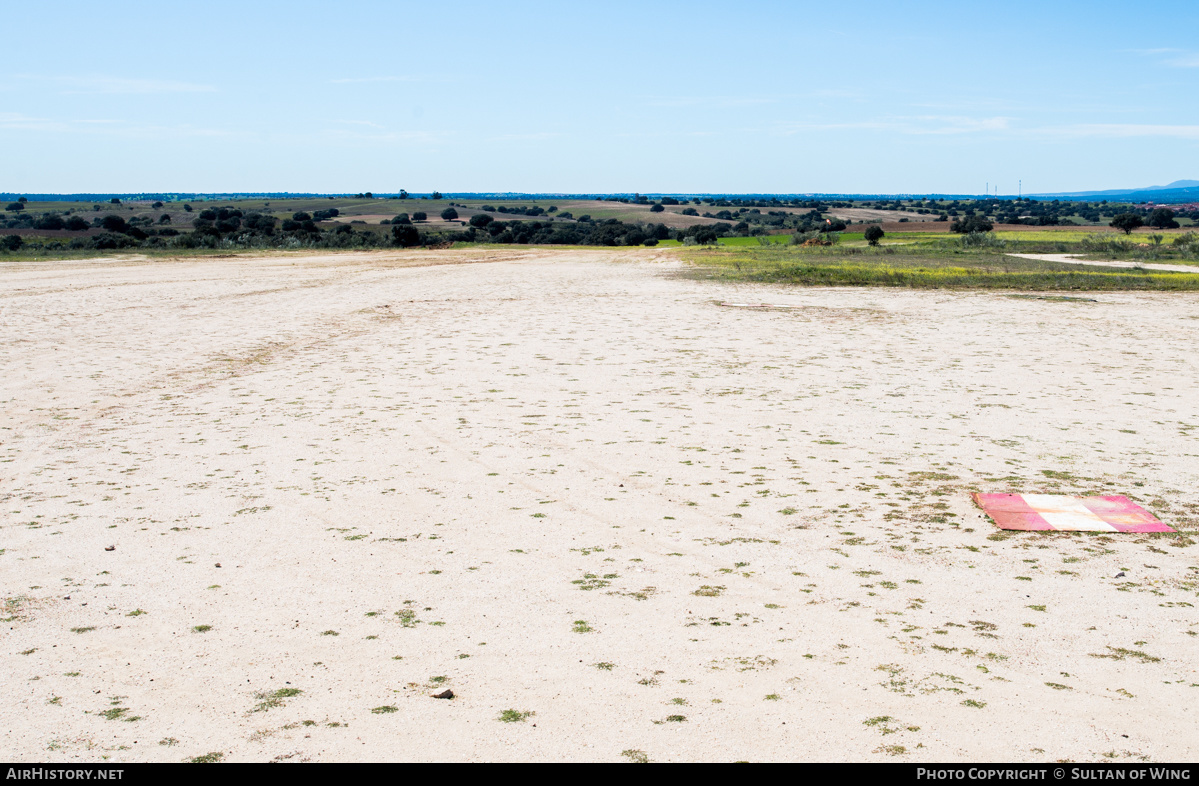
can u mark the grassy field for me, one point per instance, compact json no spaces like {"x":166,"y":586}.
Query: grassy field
{"x":921,"y":268}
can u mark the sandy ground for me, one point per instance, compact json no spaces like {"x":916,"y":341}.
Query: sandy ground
{"x":1075,"y":259}
{"x":570,"y":483}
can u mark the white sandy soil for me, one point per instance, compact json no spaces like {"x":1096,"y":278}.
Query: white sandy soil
{"x":1075,"y":259}
{"x":570,"y":483}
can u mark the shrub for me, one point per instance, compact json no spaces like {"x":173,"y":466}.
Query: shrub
{"x":1126,"y":222}
{"x":405,"y":235}
{"x":419,"y":215}
{"x":402,"y":218}
{"x":114,"y":223}
{"x":874,"y":233}
{"x":1163,"y":218}
{"x":449,"y":214}
{"x":481,"y":220}
{"x":49,"y":221}
{"x":14,"y":207}
{"x":656,"y":209}
{"x":982,"y":240}
{"x":76,"y":224}
{"x":11,"y":242}
{"x":971,"y":225}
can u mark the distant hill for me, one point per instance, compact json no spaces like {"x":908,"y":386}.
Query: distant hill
{"x":1178,"y":191}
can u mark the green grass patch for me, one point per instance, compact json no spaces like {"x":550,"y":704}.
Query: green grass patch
{"x":937,"y":264}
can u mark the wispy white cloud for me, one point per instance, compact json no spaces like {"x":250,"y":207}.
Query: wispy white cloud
{"x":933,"y":125}
{"x":112,"y":85}
{"x":18,"y":121}
{"x":919,"y":125}
{"x":1182,"y":59}
{"x":711,"y":102}
{"x":359,"y":79}
{"x":120,"y":128}
{"x":533,"y":136}
{"x":1119,"y":130}
{"x":1185,"y":61}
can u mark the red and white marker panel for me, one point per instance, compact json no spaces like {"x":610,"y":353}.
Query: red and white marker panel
{"x":1065,"y":513}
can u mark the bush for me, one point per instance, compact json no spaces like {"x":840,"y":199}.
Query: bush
{"x":49,"y":221}
{"x":14,"y":207}
{"x":1126,"y":222}
{"x":449,"y":214}
{"x":76,"y":224}
{"x":419,"y":215}
{"x":481,"y":220}
{"x":981,"y":240}
{"x":114,"y":223}
{"x":11,"y":242}
{"x":1163,"y":218}
{"x":966,"y":225}
{"x":656,"y":209}
{"x":402,"y":218}
{"x":874,"y":233}
{"x":405,"y":235}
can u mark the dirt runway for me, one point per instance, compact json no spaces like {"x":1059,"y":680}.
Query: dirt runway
{"x":264,"y":508}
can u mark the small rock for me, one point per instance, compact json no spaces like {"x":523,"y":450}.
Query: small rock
{"x":218,"y":564}
{"x":110,"y":548}
{"x":1120,"y":575}
{"x":445,"y":694}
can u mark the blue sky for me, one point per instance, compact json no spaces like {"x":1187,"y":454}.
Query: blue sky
{"x":598,"y":97}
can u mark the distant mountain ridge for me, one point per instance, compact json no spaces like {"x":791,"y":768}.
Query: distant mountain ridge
{"x":1178,"y":191}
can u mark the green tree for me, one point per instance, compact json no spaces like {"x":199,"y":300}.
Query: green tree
{"x":656,"y":209}
{"x":874,"y":233}
{"x":1126,"y":222}
{"x":419,"y":215}
{"x":15,"y":207}
{"x":11,"y":242}
{"x":405,"y":235}
{"x":1163,"y":218}
{"x":449,"y":214}
{"x":970,"y":224}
